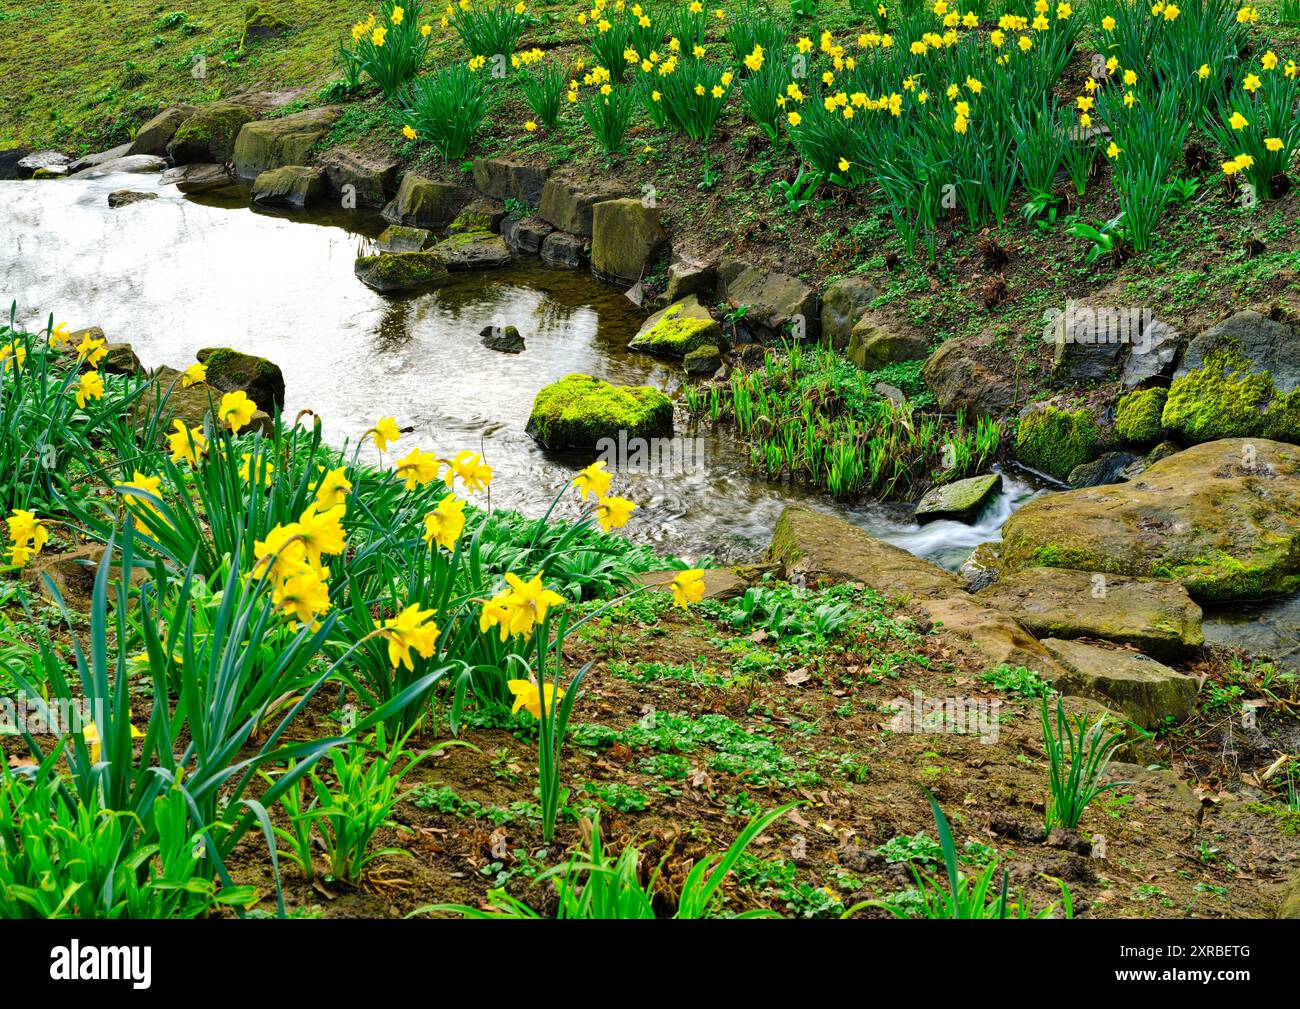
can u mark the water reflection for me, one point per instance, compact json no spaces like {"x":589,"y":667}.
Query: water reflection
{"x":173,"y":275}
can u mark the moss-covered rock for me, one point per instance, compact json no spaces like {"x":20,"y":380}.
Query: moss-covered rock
{"x":1222,"y":518}
{"x":1109,"y":467}
{"x":424,"y":203}
{"x":360,"y":179}
{"x":1157,"y":616}
{"x":961,"y":500}
{"x":1137,"y":416}
{"x":626,"y":238}
{"x":1224,"y":399}
{"x":231,"y":371}
{"x":208,"y":135}
{"x":391,"y":272}
{"x":777,"y":305}
{"x":680,"y":328}
{"x":154,"y":136}
{"x":704,"y":360}
{"x":290,"y":185}
{"x":473,"y":250}
{"x":578,"y":411}
{"x":873,"y":346}
{"x":817,"y":545}
{"x":397,"y":238}
{"x":478,"y":216}
{"x":273,"y":143}
{"x":1055,"y":441}
{"x":1142,"y":689}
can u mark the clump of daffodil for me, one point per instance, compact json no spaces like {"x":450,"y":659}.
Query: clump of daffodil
{"x":91,"y":351}
{"x":412,"y":628}
{"x":236,"y":410}
{"x":471,"y":470}
{"x":593,"y":481}
{"x":195,"y":374}
{"x":256,"y":467}
{"x":89,"y":386}
{"x":687,"y":587}
{"x":613,"y":512}
{"x":292,"y":559}
{"x":529,"y":697}
{"x":90,"y":735}
{"x":186,"y":445}
{"x":384,"y":433}
{"x":418,"y":468}
{"x":333,"y":488}
{"x":141,"y":509}
{"x":445,"y":524}
{"x":520,"y":608}
{"x":13,"y":354}
{"x":27,"y":536}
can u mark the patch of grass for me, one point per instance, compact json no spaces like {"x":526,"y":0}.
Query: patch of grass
{"x":1017,"y":680}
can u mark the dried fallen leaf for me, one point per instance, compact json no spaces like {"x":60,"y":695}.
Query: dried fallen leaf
{"x":796,"y":676}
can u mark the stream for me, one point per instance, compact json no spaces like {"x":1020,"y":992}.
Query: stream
{"x":178,"y":273}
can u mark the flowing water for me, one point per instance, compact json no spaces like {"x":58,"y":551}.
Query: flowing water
{"x":173,"y":275}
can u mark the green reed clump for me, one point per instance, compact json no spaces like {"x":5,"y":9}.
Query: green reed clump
{"x":809,"y":414}
{"x":1078,"y":753}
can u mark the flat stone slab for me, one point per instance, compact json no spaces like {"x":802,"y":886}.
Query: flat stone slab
{"x":1155,"y":615}
{"x":1136,"y":685}
{"x":817,"y":545}
{"x":133,"y":163}
{"x":719,"y":583}
{"x":197,"y":178}
{"x":962,"y":500}
{"x":474,"y":250}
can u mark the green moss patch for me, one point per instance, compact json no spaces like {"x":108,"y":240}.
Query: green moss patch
{"x":678,"y":330}
{"x":1055,"y":441}
{"x":1137,"y":417}
{"x":578,"y":411}
{"x":401,"y":271}
{"x":1223,"y":399}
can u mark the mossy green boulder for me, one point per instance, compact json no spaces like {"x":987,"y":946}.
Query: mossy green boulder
{"x":231,"y":371}
{"x":290,"y":185}
{"x":1222,"y":518}
{"x":1225,"y":399}
{"x":394,"y":272}
{"x":682,"y":327}
{"x":1054,"y":441}
{"x":873,"y":346}
{"x":208,"y":135}
{"x":578,"y":411}
{"x":1137,"y":415}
